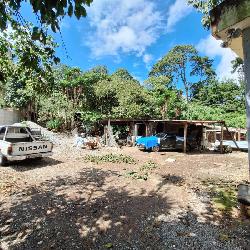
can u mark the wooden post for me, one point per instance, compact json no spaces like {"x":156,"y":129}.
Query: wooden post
{"x":109,"y":134}
{"x":215,"y":136}
{"x":185,"y":138}
{"x":147,"y":128}
{"x":136,"y":130}
{"x":221,"y":138}
{"x":204,"y":135}
{"x":239,"y":135}
{"x":235,"y":135}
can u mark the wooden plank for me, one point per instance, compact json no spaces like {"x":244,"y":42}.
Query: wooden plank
{"x":204,"y":135}
{"x":221,"y":139}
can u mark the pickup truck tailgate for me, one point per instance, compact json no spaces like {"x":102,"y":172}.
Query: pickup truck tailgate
{"x":25,"y":148}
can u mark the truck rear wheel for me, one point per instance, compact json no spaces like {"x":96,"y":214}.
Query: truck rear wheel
{"x":3,"y":160}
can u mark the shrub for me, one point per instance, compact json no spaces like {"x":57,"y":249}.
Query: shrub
{"x":54,"y":124}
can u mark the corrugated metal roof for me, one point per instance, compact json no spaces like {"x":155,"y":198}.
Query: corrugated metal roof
{"x":167,"y":121}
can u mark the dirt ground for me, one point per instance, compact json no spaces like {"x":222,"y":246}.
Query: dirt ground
{"x":162,"y":201}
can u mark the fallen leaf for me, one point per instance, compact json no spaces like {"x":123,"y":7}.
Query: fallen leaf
{"x":224,"y":237}
{"x":108,"y":245}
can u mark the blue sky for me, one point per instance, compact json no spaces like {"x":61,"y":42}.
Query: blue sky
{"x":134,"y":34}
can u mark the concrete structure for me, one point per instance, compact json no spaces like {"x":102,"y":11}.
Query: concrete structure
{"x":230,"y":22}
{"x":9,"y":116}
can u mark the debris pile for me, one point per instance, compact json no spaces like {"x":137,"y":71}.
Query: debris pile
{"x":45,"y":133}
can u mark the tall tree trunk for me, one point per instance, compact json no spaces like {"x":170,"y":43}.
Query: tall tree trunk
{"x":164,"y":110}
{"x":184,"y":79}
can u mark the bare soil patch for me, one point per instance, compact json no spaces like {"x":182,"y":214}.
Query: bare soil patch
{"x":161,"y":201}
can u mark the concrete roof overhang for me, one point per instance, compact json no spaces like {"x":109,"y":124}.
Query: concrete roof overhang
{"x":230,"y":14}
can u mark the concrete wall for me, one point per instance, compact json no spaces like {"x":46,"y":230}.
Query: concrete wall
{"x":9,"y":116}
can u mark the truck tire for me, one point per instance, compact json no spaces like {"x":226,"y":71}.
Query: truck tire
{"x":156,"y":149}
{"x":3,"y":160}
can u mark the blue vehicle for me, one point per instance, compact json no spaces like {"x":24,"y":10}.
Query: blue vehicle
{"x":165,"y":141}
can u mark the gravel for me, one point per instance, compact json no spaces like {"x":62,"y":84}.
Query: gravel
{"x":65,"y":203}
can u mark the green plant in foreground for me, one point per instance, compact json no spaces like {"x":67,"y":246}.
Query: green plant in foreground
{"x":137,"y":176}
{"x":54,"y":124}
{"x":143,"y":172}
{"x":148,"y":166}
{"x":112,"y":158}
{"x":223,"y":194}
{"x":225,"y":199}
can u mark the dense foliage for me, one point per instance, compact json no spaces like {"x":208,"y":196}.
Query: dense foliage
{"x":205,"y":6}
{"x":21,"y":83}
{"x":182,"y":65}
{"x":49,"y":14}
{"x":181,"y":85}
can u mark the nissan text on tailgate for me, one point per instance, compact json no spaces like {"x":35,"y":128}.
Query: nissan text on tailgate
{"x":17,"y":143}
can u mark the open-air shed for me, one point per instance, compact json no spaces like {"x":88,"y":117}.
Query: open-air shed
{"x":147,"y":127}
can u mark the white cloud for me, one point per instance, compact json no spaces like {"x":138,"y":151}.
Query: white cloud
{"x":147,"y":58}
{"x":129,"y":26}
{"x":211,"y":48}
{"x":65,"y":24}
{"x":135,"y":64}
{"x":177,"y":11}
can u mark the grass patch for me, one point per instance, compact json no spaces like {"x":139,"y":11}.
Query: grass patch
{"x":148,"y":166}
{"x":112,"y":158}
{"x":137,"y":175}
{"x":143,"y":172}
{"x":225,"y":199}
{"x":223,"y":194}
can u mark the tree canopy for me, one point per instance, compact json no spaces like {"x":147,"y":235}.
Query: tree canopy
{"x":49,"y":13}
{"x":204,"y":6}
{"x":183,"y":65}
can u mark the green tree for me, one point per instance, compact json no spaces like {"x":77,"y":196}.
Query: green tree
{"x":20,"y":83}
{"x":219,"y":100}
{"x":228,"y":95}
{"x":49,"y":13}
{"x":183,"y":65}
{"x":166,"y":98}
{"x":119,"y":96}
{"x":122,"y":74}
{"x":57,"y":109}
{"x":204,"y":6}
{"x":78,"y":88}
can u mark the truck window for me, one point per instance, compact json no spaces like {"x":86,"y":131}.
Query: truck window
{"x":2,"y":132}
{"x":17,"y":134}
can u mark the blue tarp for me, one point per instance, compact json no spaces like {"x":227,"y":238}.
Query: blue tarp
{"x":148,"y":142}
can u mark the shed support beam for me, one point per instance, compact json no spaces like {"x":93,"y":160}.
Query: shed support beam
{"x":221,"y":138}
{"x":246,"y":52}
{"x":185,"y":138}
{"x":136,"y":130}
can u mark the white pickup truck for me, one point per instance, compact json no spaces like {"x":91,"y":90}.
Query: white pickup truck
{"x":17,"y":143}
